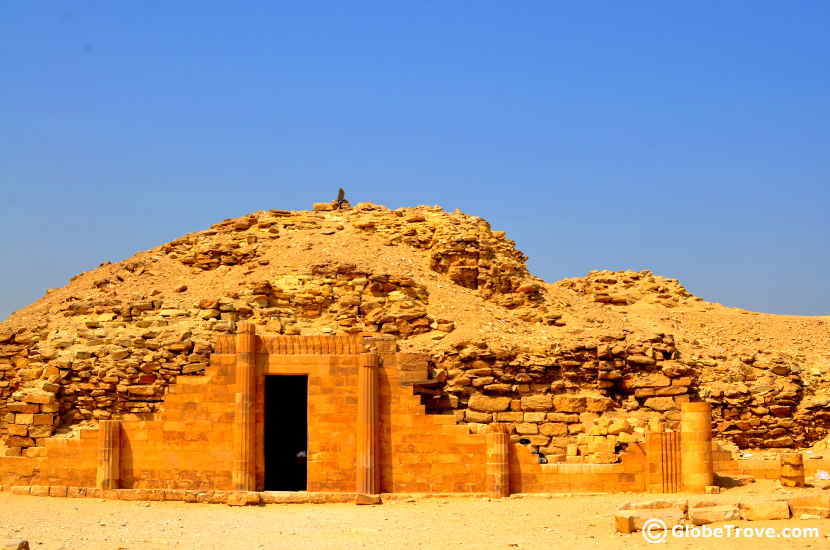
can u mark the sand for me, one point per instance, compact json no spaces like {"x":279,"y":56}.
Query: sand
{"x":528,"y":522}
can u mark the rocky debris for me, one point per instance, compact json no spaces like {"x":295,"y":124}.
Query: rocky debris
{"x":466,"y":250}
{"x":14,"y":545}
{"x":758,"y":401}
{"x":622,"y":288}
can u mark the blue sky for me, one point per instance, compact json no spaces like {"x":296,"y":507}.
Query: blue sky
{"x":690,"y":138}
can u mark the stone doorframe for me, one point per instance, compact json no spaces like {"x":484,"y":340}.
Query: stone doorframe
{"x":247,"y":431}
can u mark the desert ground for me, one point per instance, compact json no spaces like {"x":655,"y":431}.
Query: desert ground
{"x":528,"y":522}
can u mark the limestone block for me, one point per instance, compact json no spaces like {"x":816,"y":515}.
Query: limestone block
{"x":569,"y":403}
{"x":241,"y":498}
{"x":651,"y":380}
{"x":660,"y":403}
{"x":562,"y":417}
{"x":640,"y":360}
{"x":630,"y":517}
{"x":708,"y":512}
{"x":765,"y":510}
{"x":514,"y":416}
{"x":39,"y":491}
{"x":362,"y":500}
{"x":541,"y":402}
{"x":18,"y":429}
{"x":598,"y":404}
{"x":818,"y":505}
{"x":24,"y":419}
{"x":618,"y":426}
{"x":525,"y":428}
{"x":486,"y":403}
{"x":554,"y":429}
{"x":479,"y":417}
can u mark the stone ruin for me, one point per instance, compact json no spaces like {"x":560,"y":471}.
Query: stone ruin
{"x":159,"y":373}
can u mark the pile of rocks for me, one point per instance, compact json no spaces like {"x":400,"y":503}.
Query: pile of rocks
{"x":622,"y":288}
{"x":755,"y":400}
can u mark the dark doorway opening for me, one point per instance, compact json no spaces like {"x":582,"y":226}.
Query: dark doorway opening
{"x":286,"y":432}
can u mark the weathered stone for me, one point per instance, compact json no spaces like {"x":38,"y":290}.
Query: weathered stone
{"x":486,"y":403}
{"x":632,"y":516}
{"x":650,"y":380}
{"x":569,"y":403}
{"x":478,"y":417}
{"x":363,"y":500}
{"x":640,"y":360}
{"x":660,"y":403}
{"x":241,"y":498}
{"x":764,"y":510}
{"x":527,"y":429}
{"x":541,"y":402}
{"x":703,"y":513}
{"x":562,"y":417}
{"x":554,"y":429}
{"x":818,"y":505}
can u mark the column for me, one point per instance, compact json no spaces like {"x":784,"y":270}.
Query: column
{"x":498,"y":461}
{"x":791,"y":470}
{"x":244,"y":431}
{"x":368,"y":472}
{"x":696,"y":446}
{"x":109,"y":455}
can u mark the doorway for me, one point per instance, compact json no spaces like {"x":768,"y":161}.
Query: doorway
{"x":286,"y":433}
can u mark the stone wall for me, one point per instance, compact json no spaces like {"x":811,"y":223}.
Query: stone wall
{"x":116,"y":359}
{"x":582,"y":404}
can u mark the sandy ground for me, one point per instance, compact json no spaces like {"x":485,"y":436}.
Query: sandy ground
{"x":529,"y":523}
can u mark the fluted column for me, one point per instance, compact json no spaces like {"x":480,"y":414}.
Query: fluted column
{"x":498,"y":461}
{"x":244,"y":431}
{"x":109,"y":455}
{"x":368,"y":472}
{"x":696,"y":446}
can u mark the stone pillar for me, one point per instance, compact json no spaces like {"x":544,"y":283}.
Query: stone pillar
{"x":368,"y":469}
{"x":791,"y":472}
{"x":244,"y":427}
{"x":109,"y":455}
{"x":696,"y":447}
{"x":498,"y":461}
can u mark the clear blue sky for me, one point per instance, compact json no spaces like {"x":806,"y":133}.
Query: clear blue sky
{"x":690,"y":138}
